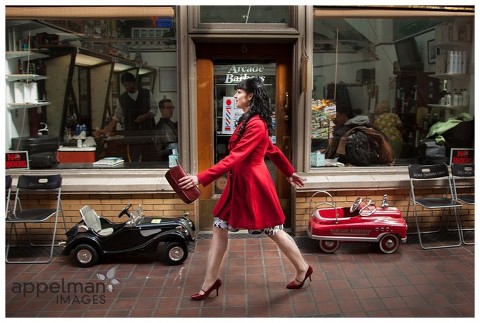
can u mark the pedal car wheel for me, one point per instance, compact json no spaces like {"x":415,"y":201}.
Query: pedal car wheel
{"x":175,"y":253}
{"x":389,"y":243}
{"x":329,"y":246}
{"x":85,"y":255}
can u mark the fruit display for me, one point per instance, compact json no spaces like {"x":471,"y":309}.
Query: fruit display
{"x":323,"y":114}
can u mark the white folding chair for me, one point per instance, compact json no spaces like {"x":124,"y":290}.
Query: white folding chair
{"x":429,"y":176}
{"x":463,"y":175}
{"x":39,"y":186}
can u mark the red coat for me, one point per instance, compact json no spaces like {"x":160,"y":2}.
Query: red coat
{"x":249,"y":200}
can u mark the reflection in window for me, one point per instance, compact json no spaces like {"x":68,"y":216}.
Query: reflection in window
{"x":389,"y":75}
{"x":98,"y":51}
{"x":244,"y":14}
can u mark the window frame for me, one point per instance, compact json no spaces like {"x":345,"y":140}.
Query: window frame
{"x":317,"y":175}
{"x":197,"y":27}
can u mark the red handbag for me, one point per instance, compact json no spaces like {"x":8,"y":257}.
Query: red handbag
{"x":173,"y":175}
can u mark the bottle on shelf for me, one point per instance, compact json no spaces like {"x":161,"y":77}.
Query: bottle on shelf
{"x":443,"y":91}
{"x":450,"y":62}
{"x":456,"y":61}
{"x":448,"y":99}
{"x":443,"y":100}
{"x":455,"y":98}
{"x":465,"y":97}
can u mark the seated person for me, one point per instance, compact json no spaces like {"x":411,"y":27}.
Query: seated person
{"x":345,"y":120}
{"x":389,"y":124}
{"x":356,"y":141}
{"x":358,"y":120}
{"x":340,"y":120}
{"x":166,"y":133}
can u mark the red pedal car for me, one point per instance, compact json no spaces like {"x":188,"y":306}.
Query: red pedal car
{"x":362,"y":222}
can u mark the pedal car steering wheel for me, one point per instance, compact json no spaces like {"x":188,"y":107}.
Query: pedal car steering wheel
{"x":366,"y":206}
{"x":355,"y":204}
{"x":125,"y":211}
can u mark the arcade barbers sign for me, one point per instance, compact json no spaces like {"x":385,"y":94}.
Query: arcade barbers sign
{"x":237,"y":73}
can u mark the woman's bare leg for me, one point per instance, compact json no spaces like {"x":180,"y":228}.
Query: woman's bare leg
{"x":290,"y":249}
{"x":218,"y":247}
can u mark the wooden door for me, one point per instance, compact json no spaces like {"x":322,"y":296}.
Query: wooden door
{"x":208,"y":55}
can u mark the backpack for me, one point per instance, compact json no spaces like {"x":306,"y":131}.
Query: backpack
{"x":358,"y":150}
{"x":363,"y":146}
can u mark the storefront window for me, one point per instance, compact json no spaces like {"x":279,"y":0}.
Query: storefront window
{"x":84,"y":64}
{"x":398,"y":76}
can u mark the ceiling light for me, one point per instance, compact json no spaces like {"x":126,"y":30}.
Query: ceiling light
{"x":119,"y":67}
{"x":86,"y":60}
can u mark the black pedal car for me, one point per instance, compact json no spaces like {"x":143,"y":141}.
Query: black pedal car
{"x":95,"y":237}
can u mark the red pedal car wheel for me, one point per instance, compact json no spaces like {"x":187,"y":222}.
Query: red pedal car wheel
{"x":329,"y":246}
{"x":389,"y":243}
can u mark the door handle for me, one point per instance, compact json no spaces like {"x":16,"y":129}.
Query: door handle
{"x":285,"y":108}
{"x":286,"y":143}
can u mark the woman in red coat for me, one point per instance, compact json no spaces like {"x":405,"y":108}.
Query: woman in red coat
{"x":249,"y":200}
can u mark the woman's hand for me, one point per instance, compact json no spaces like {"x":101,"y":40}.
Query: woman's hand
{"x":295,"y":179}
{"x":188,"y":181}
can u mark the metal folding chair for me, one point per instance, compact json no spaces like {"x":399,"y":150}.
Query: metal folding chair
{"x":40,"y":186}
{"x":430,"y":176}
{"x":462,"y":175}
{"x":8,"y":193}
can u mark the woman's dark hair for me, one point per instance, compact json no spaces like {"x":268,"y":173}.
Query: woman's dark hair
{"x":260,"y":103}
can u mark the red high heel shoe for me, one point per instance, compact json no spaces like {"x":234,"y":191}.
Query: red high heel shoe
{"x":199,"y":297}
{"x":299,"y":284}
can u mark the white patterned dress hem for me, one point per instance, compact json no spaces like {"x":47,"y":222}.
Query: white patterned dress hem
{"x":221,"y":224}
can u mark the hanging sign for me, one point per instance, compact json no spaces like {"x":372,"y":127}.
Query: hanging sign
{"x":237,"y":73}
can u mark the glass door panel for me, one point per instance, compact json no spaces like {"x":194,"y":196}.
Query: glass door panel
{"x":227,"y":73}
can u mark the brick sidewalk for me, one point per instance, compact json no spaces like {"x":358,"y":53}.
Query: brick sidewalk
{"x":353,"y":282}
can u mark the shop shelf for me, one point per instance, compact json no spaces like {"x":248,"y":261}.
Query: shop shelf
{"x":27,"y":105}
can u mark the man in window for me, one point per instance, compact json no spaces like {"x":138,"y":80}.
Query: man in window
{"x":166,"y":134}
{"x":137,"y":107}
